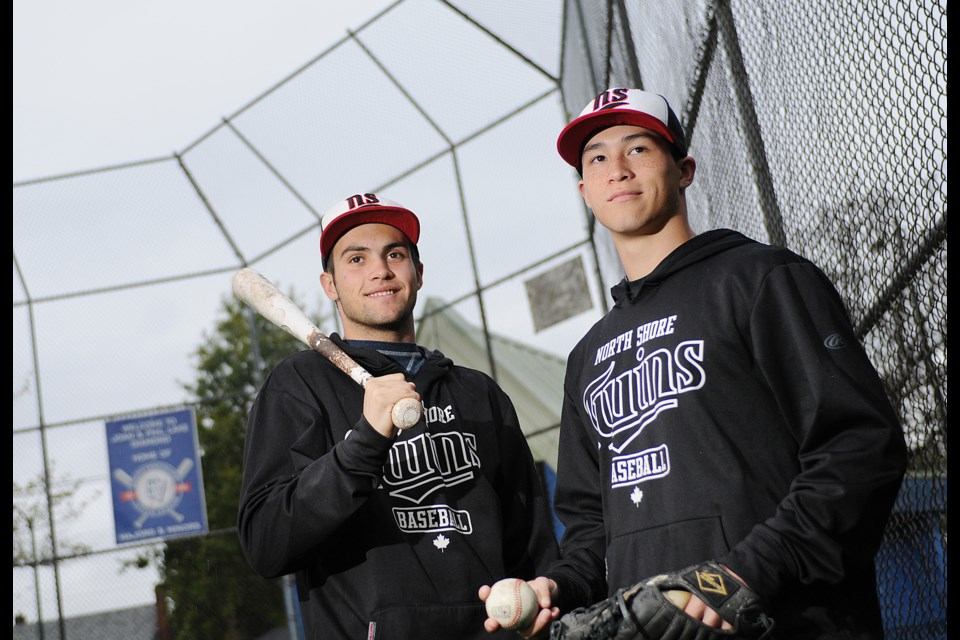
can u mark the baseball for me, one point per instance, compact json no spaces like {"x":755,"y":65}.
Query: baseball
{"x":512,"y":603}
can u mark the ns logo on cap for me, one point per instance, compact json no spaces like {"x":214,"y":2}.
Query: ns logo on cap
{"x":360,"y":200}
{"x":611,"y":99}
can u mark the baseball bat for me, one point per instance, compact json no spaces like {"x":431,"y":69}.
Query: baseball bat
{"x":184,"y":468}
{"x":266,"y":299}
{"x":123,"y":477}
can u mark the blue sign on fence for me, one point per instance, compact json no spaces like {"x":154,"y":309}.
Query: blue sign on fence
{"x":155,"y":476}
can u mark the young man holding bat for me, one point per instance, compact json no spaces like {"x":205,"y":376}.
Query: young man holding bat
{"x":724,"y":438}
{"x":388,"y":531}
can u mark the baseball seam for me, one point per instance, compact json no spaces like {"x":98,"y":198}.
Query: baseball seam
{"x":517,"y":604}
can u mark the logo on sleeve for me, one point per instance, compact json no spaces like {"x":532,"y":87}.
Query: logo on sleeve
{"x":835,"y":341}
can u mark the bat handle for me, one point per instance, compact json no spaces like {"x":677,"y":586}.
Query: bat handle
{"x":406,"y":412}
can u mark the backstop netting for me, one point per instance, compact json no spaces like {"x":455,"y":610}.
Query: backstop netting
{"x":820,"y":126}
{"x":817,"y":125}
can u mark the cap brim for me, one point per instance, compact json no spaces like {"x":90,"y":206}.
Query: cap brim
{"x":574,"y":135}
{"x":402,"y":219}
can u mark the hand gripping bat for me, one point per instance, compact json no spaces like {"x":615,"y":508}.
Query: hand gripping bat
{"x":266,"y":299}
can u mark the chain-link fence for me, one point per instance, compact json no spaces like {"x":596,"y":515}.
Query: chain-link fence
{"x":820,"y":126}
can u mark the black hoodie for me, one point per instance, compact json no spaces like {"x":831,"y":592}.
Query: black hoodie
{"x":723,"y":409}
{"x":390,"y":538}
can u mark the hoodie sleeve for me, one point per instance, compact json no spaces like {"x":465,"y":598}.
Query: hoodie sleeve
{"x":581,"y":574}
{"x":298,"y":485}
{"x":529,"y":542}
{"x":852,"y":454}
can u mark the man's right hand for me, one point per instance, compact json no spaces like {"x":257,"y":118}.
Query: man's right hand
{"x":379,"y":396}
{"x":547,"y":592}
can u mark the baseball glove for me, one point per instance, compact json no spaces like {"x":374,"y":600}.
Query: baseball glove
{"x":643,"y":612}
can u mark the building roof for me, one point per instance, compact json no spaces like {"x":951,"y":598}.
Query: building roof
{"x":135,"y":623}
{"x":533,"y":378}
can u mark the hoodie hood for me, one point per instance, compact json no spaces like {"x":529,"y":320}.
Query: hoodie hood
{"x":377,"y":364}
{"x":697,"y":248}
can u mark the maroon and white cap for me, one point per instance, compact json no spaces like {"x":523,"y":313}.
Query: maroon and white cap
{"x":363,"y":208}
{"x":620,"y":105}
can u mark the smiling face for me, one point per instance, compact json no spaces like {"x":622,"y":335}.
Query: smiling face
{"x":631,"y":181}
{"x":374,"y":280}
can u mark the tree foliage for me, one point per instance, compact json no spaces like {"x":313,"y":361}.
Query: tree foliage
{"x":31,"y":525}
{"x":210,"y":588}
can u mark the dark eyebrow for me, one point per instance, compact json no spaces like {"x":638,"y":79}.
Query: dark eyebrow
{"x":354,"y":247}
{"x":365,"y":249}
{"x":627,"y":138}
{"x":396,"y":245}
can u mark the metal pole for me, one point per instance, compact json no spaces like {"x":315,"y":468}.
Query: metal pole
{"x":36,"y":577}
{"x":773,"y":220}
{"x":289,"y":596}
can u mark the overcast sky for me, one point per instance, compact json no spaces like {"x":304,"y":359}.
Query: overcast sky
{"x":105,"y":82}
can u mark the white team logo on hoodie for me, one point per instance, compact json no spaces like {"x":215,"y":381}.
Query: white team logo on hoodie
{"x":423,"y":465}
{"x":620,"y":406}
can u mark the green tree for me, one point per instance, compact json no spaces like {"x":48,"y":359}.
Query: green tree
{"x":32,"y":536}
{"x":31,"y":526}
{"x":210,"y":588}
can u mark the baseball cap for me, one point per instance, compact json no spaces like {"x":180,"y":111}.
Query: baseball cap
{"x":363,"y":208}
{"x":620,"y":105}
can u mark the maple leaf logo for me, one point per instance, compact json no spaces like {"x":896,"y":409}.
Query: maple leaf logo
{"x":636,"y":496}
{"x":441,"y":542}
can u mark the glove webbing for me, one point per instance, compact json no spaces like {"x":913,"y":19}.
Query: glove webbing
{"x":622,"y":596}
